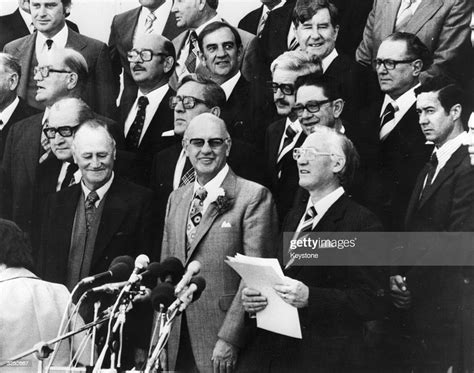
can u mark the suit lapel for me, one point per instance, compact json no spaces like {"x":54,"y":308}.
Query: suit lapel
{"x":422,"y":14}
{"x":74,"y":41}
{"x":274,"y":144}
{"x":25,"y":55}
{"x":129,"y":27}
{"x":182,"y":220}
{"x":416,"y":194}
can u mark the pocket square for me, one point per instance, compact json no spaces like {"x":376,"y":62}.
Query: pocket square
{"x":167,"y":133}
{"x":226,"y":224}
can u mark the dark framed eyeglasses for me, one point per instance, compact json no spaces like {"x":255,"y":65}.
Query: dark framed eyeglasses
{"x":46,"y":70}
{"x":64,"y":131}
{"x":286,"y":89}
{"x":188,"y":102}
{"x":213,"y":143}
{"x":145,"y":55}
{"x":312,"y":106}
{"x":390,"y":64}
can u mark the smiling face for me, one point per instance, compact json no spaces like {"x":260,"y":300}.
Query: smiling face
{"x":207,"y":160}
{"x":48,"y":16}
{"x":220,"y":54}
{"x":317,"y":36}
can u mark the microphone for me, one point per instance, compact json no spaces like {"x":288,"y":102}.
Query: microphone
{"x":111,"y":288}
{"x":191,"y":294}
{"x":162,"y":294}
{"x":118,"y":270}
{"x":141,"y":262}
{"x":154,"y":269}
{"x":193,"y":269}
{"x":172,"y":270}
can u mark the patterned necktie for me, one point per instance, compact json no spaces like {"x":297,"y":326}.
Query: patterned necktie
{"x":290,"y":134}
{"x":134,"y":133}
{"x":190,"y":62}
{"x":404,"y":15}
{"x":307,"y":225}
{"x":49,"y":43}
{"x":69,"y":178}
{"x":90,"y":208}
{"x":432,"y":165}
{"x":388,"y":117}
{"x":262,"y":22}
{"x":188,"y":174}
{"x":195,"y":215}
{"x":150,"y":18}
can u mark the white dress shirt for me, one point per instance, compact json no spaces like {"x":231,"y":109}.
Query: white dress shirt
{"x":229,"y":85}
{"x":59,"y":41}
{"x":62,"y":174}
{"x":296,"y":126}
{"x":161,"y":13}
{"x":326,"y":61}
{"x":178,"y":171}
{"x":6,"y":114}
{"x":100,"y":192}
{"x":212,"y":187}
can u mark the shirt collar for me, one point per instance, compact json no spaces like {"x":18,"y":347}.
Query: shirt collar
{"x":101,"y":191}
{"x":229,"y":85}
{"x":155,"y":94}
{"x":59,"y":40}
{"x":444,"y":152}
{"x":403,"y":103}
{"x":267,"y":9}
{"x":7,"y":113}
{"x":325,"y":203}
{"x":216,"y":18}
{"x":45,"y":116}
{"x":328,"y":59}
{"x":215,"y":183}
{"x":296,"y":126}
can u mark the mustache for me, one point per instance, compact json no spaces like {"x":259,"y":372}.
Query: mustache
{"x":282,"y":101}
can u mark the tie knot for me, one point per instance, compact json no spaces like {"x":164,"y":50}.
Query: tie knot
{"x":91,"y":199}
{"x":389,"y":109}
{"x":49,"y":43}
{"x":72,"y":167}
{"x":201,"y":194}
{"x":193,"y":37}
{"x":290,"y":132}
{"x":434,"y":160}
{"x":142,"y":102}
{"x":151,"y":17}
{"x":311,"y":213}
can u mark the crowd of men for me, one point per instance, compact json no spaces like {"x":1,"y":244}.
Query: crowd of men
{"x":311,"y":116}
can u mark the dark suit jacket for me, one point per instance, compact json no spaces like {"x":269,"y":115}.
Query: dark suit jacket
{"x":285,"y":187}
{"x":340,"y":300}
{"x":101,"y":88}
{"x":251,"y":20}
{"x":12,"y":27}
{"x":21,"y":111}
{"x":121,"y":41}
{"x":152,"y":141}
{"x":394,"y":165}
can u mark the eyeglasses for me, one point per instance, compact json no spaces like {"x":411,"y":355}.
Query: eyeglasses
{"x":45,"y":70}
{"x":286,"y":89}
{"x":310,"y":154}
{"x":188,"y":102}
{"x":145,"y":55}
{"x":312,"y":106}
{"x":213,"y":143}
{"x":390,"y":64}
{"x":64,"y":131}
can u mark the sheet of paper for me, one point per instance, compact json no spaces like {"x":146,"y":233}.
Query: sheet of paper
{"x":278,"y":316}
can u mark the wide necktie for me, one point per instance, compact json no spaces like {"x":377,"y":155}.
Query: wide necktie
{"x":49,"y":44}
{"x":69,"y":178}
{"x":290,"y":134}
{"x":307,"y":224}
{"x":134,"y":133}
{"x":387,"y":117}
{"x":432,"y":165}
{"x":90,"y":208}
{"x":188,"y":173}
{"x":150,"y":18}
{"x":262,"y":22}
{"x":195,"y":215}
{"x":190,"y":62}
{"x":404,"y":15}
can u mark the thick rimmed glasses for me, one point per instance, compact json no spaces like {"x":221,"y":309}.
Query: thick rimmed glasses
{"x":145,"y":55}
{"x":312,"y":106}
{"x":389,"y":64}
{"x":64,"y":131}
{"x":286,"y":89}
{"x":45,"y":70}
{"x":188,"y":102}
{"x":213,"y":143}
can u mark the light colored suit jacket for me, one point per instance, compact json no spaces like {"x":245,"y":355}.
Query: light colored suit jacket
{"x":442,"y":25}
{"x":101,"y":88}
{"x":248,"y":225}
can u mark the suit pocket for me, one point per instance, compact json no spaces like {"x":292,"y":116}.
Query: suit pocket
{"x":225,"y":301}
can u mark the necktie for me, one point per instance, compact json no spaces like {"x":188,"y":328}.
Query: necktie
{"x":404,"y":15}
{"x":432,"y":164}
{"x":262,"y":22}
{"x":195,"y":215}
{"x":134,"y":133}
{"x":150,"y":18}
{"x":293,"y":44}
{"x":190,"y":62}
{"x":49,"y":43}
{"x":290,"y":134}
{"x":89,"y":205}
{"x":188,"y":173}
{"x":69,"y":178}
{"x":308,"y":220}
{"x":386,"y":121}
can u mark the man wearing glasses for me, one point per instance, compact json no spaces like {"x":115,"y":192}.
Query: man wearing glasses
{"x":228,"y":215}
{"x":332,"y":301}
{"x":147,"y":121}
{"x":396,"y":151}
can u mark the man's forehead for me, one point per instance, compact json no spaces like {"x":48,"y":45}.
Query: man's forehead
{"x":62,"y":117}
{"x":205,"y":128}
{"x":191,"y":89}
{"x":427,"y":99}
{"x":222,"y":35}
{"x":151,"y":41}
{"x":281,"y":75}
{"x":392,"y":49}
{"x":310,"y":92}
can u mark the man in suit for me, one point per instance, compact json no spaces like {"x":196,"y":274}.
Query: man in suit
{"x":19,"y":23}
{"x":194,"y":16}
{"x":443,"y":26}
{"x":171,"y":169}
{"x":254,"y":22}
{"x":220,"y":51}
{"x":283,"y":135}
{"x":146,"y":119}
{"x":52,"y":34}
{"x":397,"y":143}
{"x":26,"y":147}
{"x":437,"y":299}
{"x":153,"y":16}
{"x":238,"y":216}
{"x":12,"y":108}
{"x":332,"y":301}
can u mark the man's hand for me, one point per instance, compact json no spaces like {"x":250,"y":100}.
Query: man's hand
{"x":253,"y":301}
{"x":293,"y":292}
{"x":401,"y":296}
{"x":224,"y":357}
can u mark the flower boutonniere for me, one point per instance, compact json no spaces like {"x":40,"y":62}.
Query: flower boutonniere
{"x":222,"y":202}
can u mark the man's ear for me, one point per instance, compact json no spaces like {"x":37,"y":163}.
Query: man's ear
{"x":338,"y":107}
{"x":73,"y":80}
{"x":229,"y":145}
{"x":13,"y":81}
{"x":455,"y":112}
{"x":339,"y":164}
{"x":417,"y":66}
{"x":168,"y":64}
{"x":216,"y":110}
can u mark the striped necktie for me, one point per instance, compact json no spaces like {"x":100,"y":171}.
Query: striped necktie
{"x":308,"y":220}
{"x":150,"y":18}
